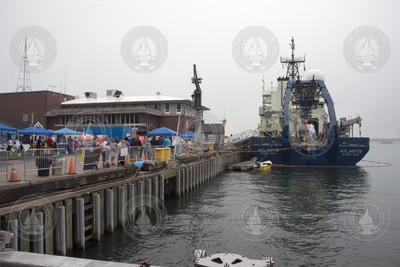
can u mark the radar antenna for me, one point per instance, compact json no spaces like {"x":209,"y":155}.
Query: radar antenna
{"x":292,"y":63}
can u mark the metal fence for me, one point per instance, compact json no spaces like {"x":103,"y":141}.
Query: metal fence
{"x":31,"y":161}
{"x":57,"y":161}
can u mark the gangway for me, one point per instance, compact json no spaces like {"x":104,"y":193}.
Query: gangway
{"x":240,"y":137}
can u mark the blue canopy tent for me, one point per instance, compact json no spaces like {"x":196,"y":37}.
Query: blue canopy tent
{"x":36,"y":130}
{"x":6,"y":128}
{"x":188,"y":135}
{"x":66,"y":131}
{"x":163,"y":131}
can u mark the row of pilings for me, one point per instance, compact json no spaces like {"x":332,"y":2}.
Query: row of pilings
{"x":41,"y":226}
{"x":190,"y":176}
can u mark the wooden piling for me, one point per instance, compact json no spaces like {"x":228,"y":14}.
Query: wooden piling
{"x":37,"y":231}
{"x":109,"y":210}
{"x":185,"y":180}
{"x":121,"y":206}
{"x":162,"y":181}
{"x":13,"y":228}
{"x":142,"y":200}
{"x":96,"y":217}
{"x":149,"y":192}
{"x":156,"y":188}
{"x":131,"y":201}
{"x":178,"y":183}
{"x":115,"y":206}
{"x":25,"y":222}
{"x":80,"y":223}
{"x":61,"y":248}
{"x":48,"y":222}
{"x":69,"y":224}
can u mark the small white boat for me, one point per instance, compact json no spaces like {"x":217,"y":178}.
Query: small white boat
{"x":228,"y":259}
{"x":263,"y":166}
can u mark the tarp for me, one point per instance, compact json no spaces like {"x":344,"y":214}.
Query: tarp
{"x":36,"y":130}
{"x":6,"y":128}
{"x":66,"y":131}
{"x":163,"y":131}
{"x":188,"y":135}
{"x":117,"y":132}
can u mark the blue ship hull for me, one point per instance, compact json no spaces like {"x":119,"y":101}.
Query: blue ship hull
{"x":343,"y":151}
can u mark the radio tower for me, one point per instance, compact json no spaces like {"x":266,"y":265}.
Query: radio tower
{"x":24,"y":79}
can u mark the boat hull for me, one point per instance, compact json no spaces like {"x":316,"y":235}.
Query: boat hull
{"x":343,"y":151}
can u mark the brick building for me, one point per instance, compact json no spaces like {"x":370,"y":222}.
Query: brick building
{"x":22,"y":109}
{"x":142,"y":113}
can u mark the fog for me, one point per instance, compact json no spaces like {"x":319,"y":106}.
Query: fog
{"x":88,"y":36}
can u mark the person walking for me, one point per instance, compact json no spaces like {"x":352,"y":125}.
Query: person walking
{"x":70,"y":145}
{"x":113,"y":150}
{"x":147,"y":146}
{"x":121,"y":157}
{"x":105,"y":151}
{"x":137,"y":146}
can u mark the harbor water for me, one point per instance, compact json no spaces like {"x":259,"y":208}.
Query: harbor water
{"x":298,"y":216}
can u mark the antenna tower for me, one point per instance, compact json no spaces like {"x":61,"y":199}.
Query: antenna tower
{"x":24,"y":78}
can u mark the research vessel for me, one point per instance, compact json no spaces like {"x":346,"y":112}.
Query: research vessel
{"x":298,"y":124}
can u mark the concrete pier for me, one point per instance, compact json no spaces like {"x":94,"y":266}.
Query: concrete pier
{"x":80,"y":209}
{"x":19,"y":259}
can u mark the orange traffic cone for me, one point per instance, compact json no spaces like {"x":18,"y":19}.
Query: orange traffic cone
{"x":146,"y":156}
{"x":13,"y":175}
{"x":127,"y":160}
{"x":71,"y":169}
{"x":188,"y":153}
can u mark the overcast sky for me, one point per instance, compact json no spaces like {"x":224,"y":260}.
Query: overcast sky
{"x":88,"y":36}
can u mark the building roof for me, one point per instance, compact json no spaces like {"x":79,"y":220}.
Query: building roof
{"x":34,"y":92}
{"x":123,"y":99}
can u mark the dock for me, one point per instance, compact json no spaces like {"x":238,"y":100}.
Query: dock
{"x":241,"y":166}
{"x":74,"y":211}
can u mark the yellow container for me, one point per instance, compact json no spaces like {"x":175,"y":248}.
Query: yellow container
{"x":159,"y":154}
{"x":211,"y":146}
{"x":167,"y":153}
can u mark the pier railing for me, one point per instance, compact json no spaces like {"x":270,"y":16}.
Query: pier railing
{"x":58,"y":161}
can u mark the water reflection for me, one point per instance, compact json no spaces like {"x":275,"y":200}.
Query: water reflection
{"x":311,"y":204}
{"x":308,"y":228}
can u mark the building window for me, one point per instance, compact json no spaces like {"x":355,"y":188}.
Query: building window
{"x":117,"y":118}
{"x":178,"y":108}
{"x":167,"y":108}
{"x":25,"y":117}
{"x":157,"y":106}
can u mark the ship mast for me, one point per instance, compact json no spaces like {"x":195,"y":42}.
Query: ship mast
{"x":292,"y":63}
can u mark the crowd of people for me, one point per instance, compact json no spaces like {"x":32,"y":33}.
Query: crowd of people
{"x":105,"y":147}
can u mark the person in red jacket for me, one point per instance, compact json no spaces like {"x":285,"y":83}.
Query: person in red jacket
{"x":49,"y":142}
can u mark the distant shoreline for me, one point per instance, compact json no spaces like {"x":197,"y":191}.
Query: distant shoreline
{"x":385,"y":139}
